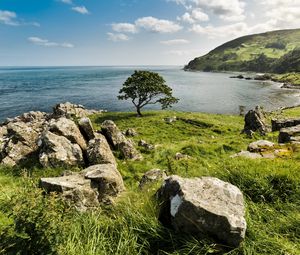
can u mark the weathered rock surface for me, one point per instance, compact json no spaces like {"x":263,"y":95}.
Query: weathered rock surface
{"x":86,"y":128}
{"x":119,"y":142}
{"x":131,"y":132}
{"x":70,"y":110}
{"x":260,"y":146}
{"x":58,"y":151}
{"x":247,"y":154}
{"x":278,"y":124}
{"x":67,"y":128}
{"x":154,"y":175}
{"x":291,"y":134}
{"x":255,"y":121}
{"x":87,"y":189}
{"x":204,"y":205}
{"x":99,"y":152}
{"x":146,"y":146}
{"x":179,"y":156}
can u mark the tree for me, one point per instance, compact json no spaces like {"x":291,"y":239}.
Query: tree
{"x":144,"y":88}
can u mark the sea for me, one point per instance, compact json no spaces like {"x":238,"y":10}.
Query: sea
{"x":24,"y":89}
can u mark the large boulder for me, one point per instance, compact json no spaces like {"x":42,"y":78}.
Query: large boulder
{"x":58,"y":151}
{"x":118,"y":141}
{"x":70,"y":110}
{"x":278,"y":124}
{"x":261,"y":146}
{"x":86,"y":128}
{"x":204,"y":205}
{"x":255,"y":121}
{"x":67,"y":128}
{"x":290,"y":134}
{"x":99,"y":152}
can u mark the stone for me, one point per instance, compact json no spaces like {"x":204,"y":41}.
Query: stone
{"x":67,"y":128}
{"x":146,"y":146}
{"x":247,"y":154}
{"x":74,"y":188}
{"x":107,"y":180}
{"x":263,"y":77}
{"x":118,"y":141}
{"x":99,"y":152}
{"x":70,"y":110}
{"x":154,"y":175}
{"x":131,"y":132}
{"x":255,"y":121}
{"x":179,"y":156}
{"x":289,"y":134}
{"x":86,"y":128}
{"x":170,"y":120}
{"x":204,"y":205}
{"x":278,"y":124}
{"x":58,"y":151}
{"x":260,"y":146}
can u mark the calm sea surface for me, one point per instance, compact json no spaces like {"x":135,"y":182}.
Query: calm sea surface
{"x":26,"y":89}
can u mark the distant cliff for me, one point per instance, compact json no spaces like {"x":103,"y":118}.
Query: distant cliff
{"x":274,"y":52}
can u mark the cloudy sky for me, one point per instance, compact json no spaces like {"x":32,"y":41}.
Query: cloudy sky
{"x":130,"y":32}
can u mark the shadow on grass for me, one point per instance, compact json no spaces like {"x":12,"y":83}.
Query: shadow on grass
{"x":122,"y":116}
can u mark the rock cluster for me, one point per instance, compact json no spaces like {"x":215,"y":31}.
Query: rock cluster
{"x":204,"y":205}
{"x":278,"y":124}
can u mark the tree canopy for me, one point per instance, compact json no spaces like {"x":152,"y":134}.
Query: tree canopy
{"x":144,"y":88}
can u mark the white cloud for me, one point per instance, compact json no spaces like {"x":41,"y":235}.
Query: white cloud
{"x":181,"y":53}
{"x":47,"y":43}
{"x":81,"y":9}
{"x":67,"y":1}
{"x":194,"y":16}
{"x":157,"y":25}
{"x":117,"y":37}
{"x":8,"y":18}
{"x":175,"y":42}
{"x":124,"y":28}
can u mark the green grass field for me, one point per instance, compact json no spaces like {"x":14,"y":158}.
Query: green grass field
{"x":31,"y":223}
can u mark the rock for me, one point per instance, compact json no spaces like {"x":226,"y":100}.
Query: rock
{"x":74,"y":188}
{"x":99,"y":152}
{"x":179,"y":156}
{"x":255,"y":121}
{"x":154,"y":175}
{"x":146,"y":146}
{"x":118,"y":141}
{"x":289,"y":134}
{"x":237,"y":76}
{"x":285,"y":123}
{"x":248,"y":78}
{"x":70,"y":110}
{"x":131,"y":132}
{"x":58,"y":151}
{"x":170,"y":120}
{"x":204,"y":205}
{"x":247,"y":154}
{"x":263,"y":77}
{"x":260,"y":146}
{"x":67,"y":128}
{"x":86,"y":128}
{"x":106,"y":179}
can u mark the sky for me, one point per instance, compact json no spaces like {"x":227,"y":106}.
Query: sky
{"x":130,"y":32}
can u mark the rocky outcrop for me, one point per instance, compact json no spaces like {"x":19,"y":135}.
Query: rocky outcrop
{"x":255,"y":121}
{"x":99,"y":152}
{"x":86,"y":128}
{"x":278,"y":124}
{"x":204,"y":205}
{"x":152,"y":176}
{"x":58,"y":151}
{"x":70,"y":110}
{"x":89,"y":188}
{"x":118,"y":141}
{"x":291,"y":134}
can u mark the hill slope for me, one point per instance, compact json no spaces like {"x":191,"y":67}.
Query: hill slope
{"x":276,"y":51}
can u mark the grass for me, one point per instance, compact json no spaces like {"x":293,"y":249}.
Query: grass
{"x":31,"y":223}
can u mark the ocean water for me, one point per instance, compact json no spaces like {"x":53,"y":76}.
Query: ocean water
{"x":40,"y":88}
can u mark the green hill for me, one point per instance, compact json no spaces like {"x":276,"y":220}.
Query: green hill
{"x":274,"y":52}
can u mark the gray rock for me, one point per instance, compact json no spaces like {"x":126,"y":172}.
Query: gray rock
{"x":67,"y":128}
{"x":260,"y":146}
{"x":146,"y":146}
{"x":179,"y":156}
{"x":290,"y":134}
{"x":58,"y":151}
{"x":86,"y":128}
{"x":154,"y":175}
{"x":247,"y":154}
{"x":128,"y":151}
{"x":278,"y":124}
{"x":255,"y":121}
{"x":99,"y":152}
{"x":204,"y":205}
{"x":131,"y":132}
{"x":170,"y":120}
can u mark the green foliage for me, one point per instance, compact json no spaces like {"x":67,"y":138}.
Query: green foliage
{"x":145,"y":87}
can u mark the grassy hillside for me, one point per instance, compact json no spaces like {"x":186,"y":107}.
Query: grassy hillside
{"x":31,"y":223}
{"x":276,"y":51}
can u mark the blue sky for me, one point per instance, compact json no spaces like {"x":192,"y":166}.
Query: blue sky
{"x":130,"y":32}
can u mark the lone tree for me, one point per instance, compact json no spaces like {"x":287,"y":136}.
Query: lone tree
{"x":144,"y":88}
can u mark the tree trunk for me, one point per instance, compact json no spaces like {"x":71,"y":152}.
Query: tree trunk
{"x":138,"y":110}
